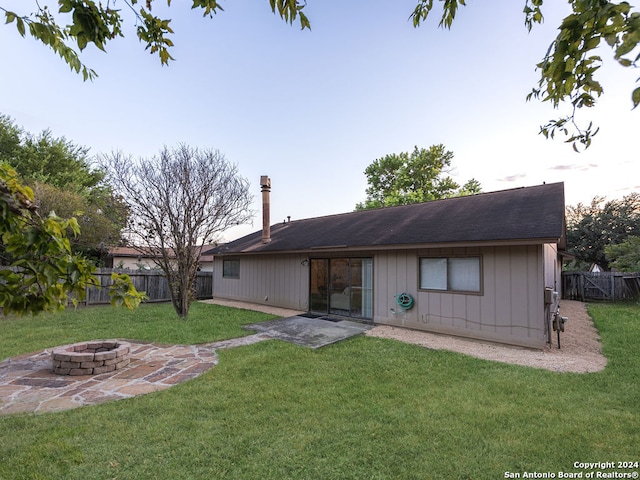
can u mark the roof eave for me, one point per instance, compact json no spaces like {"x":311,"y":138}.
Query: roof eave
{"x":410,"y":246}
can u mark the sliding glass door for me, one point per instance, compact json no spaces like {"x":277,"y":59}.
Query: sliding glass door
{"x":361,"y":287}
{"x":342,"y":286}
{"x":339,"y":287}
{"x":319,"y":295}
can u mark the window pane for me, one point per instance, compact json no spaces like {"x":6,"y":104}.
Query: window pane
{"x":464,"y":274}
{"x":231,"y":268}
{"x":433,"y":273}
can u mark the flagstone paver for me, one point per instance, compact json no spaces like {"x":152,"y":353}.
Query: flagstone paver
{"x":27,"y":383}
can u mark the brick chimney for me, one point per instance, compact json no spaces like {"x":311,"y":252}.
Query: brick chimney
{"x":265,"y":184}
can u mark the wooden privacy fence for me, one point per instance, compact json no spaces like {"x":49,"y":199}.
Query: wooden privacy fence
{"x":153,"y":282}
{"x":600,"y":286}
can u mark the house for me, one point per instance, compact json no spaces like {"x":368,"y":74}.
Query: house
{"x":484,"y":266}
{"x":595,"y":268}
{"x":134,"y":259}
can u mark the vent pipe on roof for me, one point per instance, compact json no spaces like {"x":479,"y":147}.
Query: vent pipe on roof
{"x":265,"y":184}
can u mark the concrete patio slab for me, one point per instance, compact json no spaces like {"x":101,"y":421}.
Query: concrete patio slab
{"x":310,"y":332}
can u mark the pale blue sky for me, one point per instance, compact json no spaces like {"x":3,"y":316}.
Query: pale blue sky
{"x":312,"y":109}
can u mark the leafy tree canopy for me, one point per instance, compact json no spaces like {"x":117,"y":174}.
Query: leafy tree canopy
{"x":40,"y":271}
{"x":419,"y":176}
{"x":625,"y":256}
{"x":567,"y":70}
{"x":97,"y":24}
{"x":42,"y":158}
{"x":64,"y":181}
{"x":100,"y":219}
{"x":592,"y":228}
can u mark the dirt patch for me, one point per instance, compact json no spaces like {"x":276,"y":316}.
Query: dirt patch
{"x":581,"y":350}
{"x":280,"y":312}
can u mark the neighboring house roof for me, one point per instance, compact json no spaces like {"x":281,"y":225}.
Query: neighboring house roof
{"x":129,"y":252}
{"x":531,"y":213}
{"x":148,"y":253}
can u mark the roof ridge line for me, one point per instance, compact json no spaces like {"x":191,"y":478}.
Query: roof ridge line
{"x":377,"y":209}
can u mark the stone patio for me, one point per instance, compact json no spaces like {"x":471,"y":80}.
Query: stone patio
{"x":27,"y":383}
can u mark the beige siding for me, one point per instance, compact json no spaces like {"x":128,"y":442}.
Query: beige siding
{"x":552,"y":280}
{"x":510,"y":308}
{"x":552,"y":267}
{"x":278,"y":280}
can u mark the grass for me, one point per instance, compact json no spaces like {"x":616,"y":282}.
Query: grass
{"x":363,"y":408}
{"x":151,"y":322}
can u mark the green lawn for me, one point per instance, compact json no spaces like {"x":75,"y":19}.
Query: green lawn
{"x":155,"y":322}
{"x":365,"y":408}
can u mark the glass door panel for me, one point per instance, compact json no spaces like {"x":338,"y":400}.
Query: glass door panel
{"x":356,"y":286}
{"x":342,"y":286}
{"x":339,"y":287}
{"x":318,"y":301}
{"x":361,"y":287}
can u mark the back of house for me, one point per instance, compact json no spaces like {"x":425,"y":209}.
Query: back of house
{"x":475,"y":266}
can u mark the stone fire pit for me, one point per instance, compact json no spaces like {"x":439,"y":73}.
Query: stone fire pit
{"x":91,"y":358}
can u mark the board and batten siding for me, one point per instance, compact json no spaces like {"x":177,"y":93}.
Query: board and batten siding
{"x":552,"y":268}
{"x":509,"y":309}
{"x":277,"y":280}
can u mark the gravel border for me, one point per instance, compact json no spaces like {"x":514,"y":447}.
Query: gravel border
{"x":581,"y":350}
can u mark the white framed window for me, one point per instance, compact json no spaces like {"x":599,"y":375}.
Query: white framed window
{"x":456,"y":274}
{"x":231,"y":268}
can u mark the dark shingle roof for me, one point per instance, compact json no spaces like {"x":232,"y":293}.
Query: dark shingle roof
{"x":531,"y":213}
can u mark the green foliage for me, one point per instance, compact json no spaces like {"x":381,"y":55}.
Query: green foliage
{"x":64,"y":181}
{"x":44,"y":274}
{"x":40,"y":272}
{"x":100,"y":218}
{"x":591,"y":228}
{"x":93,"y":23}
{"x":43,"y":158}
{"x":472,"y":187}
{"x":42,"y":26}
{"x":419,"y":176}
{"x":424,"y":7}
{"x":568,"y":69}
{"x":123,"y":293}
{"x":625,"y":256}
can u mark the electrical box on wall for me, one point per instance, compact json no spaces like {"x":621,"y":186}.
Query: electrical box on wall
{"x":550,"y":296}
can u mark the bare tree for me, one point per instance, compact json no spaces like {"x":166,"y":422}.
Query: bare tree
{"x":179,"y":201}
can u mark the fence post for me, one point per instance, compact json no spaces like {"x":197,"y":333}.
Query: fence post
{"x":613,"y":287}
{"x":154,"y":283}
